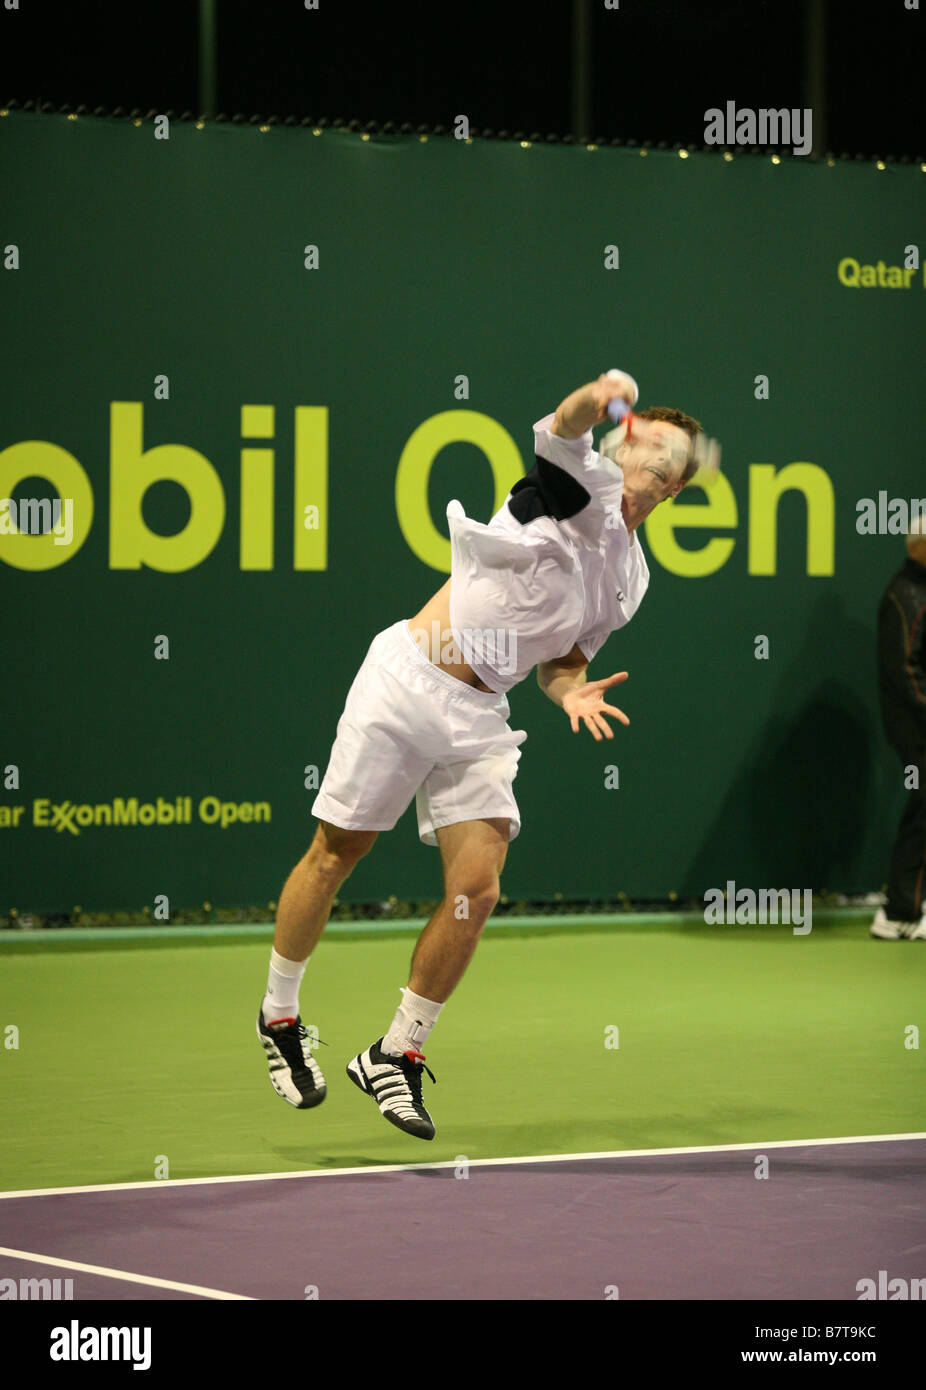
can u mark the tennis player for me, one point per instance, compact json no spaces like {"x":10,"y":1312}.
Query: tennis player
{"x":556,"y":570}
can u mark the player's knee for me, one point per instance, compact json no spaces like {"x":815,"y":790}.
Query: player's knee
{"x":476,"y":904}
{"x":337,"y":851}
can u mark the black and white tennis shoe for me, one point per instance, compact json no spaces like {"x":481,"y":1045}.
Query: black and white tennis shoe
{"x":294,"y":1073}
{"x":395,"y":1085}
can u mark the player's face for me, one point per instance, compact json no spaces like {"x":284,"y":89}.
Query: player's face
{"x":653,"y":461}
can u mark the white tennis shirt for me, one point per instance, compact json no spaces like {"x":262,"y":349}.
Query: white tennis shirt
{"x":555,"y":565}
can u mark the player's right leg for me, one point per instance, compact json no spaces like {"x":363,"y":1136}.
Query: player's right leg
{"x":302,"y":912}
{"x":379,"y":758}
{"x":305,"y":903}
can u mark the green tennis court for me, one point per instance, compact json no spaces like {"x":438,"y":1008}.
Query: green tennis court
{"x":143,"y":1053}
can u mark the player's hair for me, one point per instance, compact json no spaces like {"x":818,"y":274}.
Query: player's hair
{"x":671,"y":416}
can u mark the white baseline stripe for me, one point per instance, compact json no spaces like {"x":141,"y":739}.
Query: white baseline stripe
{"x":516,"y":1161}
{"x":120,"y":1274}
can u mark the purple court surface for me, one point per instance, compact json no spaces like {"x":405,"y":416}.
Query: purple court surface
{"x":687,"y":1224}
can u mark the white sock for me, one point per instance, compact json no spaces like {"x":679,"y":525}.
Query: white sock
{"x":283,"y":981}
{"x":414,"y":1019}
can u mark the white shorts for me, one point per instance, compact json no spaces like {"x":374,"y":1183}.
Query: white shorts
{"x":409,"y":727}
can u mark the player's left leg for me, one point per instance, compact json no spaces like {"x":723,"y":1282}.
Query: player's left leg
{"x":466,"y":806}
{"x":473,"y":855}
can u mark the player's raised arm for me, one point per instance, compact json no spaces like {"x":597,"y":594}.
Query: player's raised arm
{"x":588,"y":405}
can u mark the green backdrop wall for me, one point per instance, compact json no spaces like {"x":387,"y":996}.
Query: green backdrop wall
{"x":128,"y":259}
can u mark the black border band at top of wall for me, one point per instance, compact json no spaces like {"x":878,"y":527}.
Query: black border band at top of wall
{"x":426,"y":131}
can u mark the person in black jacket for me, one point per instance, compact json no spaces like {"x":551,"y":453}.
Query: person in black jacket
{"x":902,"y":688}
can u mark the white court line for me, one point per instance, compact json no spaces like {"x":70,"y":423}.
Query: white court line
{"x":120,"y":1274}
{"x":759,"y":1146}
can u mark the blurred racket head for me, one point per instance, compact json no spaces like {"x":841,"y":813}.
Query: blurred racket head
{"x":706,"y":455}
{"x":705,"y":452}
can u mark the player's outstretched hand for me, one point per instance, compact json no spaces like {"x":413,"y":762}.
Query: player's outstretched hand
{"x":588,"y":704}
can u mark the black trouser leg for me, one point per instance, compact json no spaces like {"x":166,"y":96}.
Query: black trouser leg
{"x":907,"y":879}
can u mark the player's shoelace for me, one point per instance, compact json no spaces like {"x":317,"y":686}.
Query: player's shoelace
{"x":293,"y":1034}
{"x":413,"y":1064}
